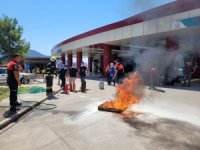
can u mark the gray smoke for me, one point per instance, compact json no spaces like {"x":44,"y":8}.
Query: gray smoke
{"x":163,"y":61}
{"x":167,"y":63}
{"x":138,"y":6}
{"x":150,"y":52}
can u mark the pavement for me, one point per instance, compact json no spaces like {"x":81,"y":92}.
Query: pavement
{"x":4,"y":111}
{"x":165,"y":119}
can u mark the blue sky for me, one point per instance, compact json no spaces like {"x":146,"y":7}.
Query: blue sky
{"x":48,"y":22}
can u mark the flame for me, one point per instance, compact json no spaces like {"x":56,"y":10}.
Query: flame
{"x":127,"y":93}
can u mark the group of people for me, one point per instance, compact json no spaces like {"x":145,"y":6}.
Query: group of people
{"x":172,"y":74}
{"x":71,"y":73}
{"x":188,"y":70}
{"x":115,"y":72}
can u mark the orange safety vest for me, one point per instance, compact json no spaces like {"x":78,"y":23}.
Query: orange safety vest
{"x":10,"y":65}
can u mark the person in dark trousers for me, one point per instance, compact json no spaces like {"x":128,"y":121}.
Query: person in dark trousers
{"x":119,"y":73}
{"x":107,"y":74}
{"x":82,"y":73}
{"x":72,"y":77}
{"x":13,"y":81}
{"x":187,"y":70}
{"x":100,"y":71}
{"x":62,"y":75}
{"x":111,"y":74}
{"x":50,"y":72}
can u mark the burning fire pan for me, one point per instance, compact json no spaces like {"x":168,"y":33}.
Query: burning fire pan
{"x":114,"y":110}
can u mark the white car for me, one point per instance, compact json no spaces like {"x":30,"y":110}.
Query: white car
{"x":3,"y":76}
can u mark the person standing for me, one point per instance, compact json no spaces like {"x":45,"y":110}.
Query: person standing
{"x":62,"y":75}
{"x":119,"y":73}
{"x":111,"y":74}
{"x":82,"y":73}
{"x":108,"y":74}
{"x":13,"y":81}
{"x":188,"y":69}
{"x":50,"y":72}
{"x":72,"y":78}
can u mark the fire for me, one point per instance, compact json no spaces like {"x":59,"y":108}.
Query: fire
{"x":127,"y":93}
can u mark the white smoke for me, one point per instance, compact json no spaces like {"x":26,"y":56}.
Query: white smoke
{"x":137,"y":6}
{"x":166,"y":63}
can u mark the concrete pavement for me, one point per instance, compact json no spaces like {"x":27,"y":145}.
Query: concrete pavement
{"x":5,"y":114}
{"x":164,"y":121}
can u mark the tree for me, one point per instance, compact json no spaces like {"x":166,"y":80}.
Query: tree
{"x":11,"y":38}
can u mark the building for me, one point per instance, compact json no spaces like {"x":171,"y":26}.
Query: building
{"x":35,"y":59}
{"x":174,"y":27}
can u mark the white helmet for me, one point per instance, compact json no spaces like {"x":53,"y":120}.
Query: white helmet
{"x":53,"y":58}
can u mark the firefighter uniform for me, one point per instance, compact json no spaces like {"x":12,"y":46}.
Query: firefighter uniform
{"x":50,"y":72}
{"x":12,"y":83}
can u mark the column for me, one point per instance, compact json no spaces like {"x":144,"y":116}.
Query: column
{"x":63,"y":58}
{"x":78,"y":58}
{"x":172,"y":44}
{"x":90,"y":60}
{"x":69,"y":59}
{"x":106,"y":56}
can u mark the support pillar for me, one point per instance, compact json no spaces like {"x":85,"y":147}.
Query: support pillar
{"x":90,"y":60}
{"x":63,"y":58}
{"x":172,"y":44}
{"x":106,"y":56}
{"x":78,"y":58}
{"x":69,"y":59}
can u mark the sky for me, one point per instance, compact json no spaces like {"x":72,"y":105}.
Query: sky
{"x":48,"y":22}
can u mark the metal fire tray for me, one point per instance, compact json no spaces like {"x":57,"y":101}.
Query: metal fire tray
{"x":101,"y":108}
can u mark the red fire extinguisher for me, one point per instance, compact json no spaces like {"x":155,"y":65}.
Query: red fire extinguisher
{"x":66,"y":90}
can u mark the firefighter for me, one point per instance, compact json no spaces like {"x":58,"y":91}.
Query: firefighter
{"x":13,"y":81}
{"x":50,"y":72}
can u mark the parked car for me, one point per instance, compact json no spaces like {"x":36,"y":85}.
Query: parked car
{"x":24,"y":77}
{"x":180,"y":74}
{"x":3,"y":75}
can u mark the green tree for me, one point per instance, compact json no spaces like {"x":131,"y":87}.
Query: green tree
{"x":11,"y":38}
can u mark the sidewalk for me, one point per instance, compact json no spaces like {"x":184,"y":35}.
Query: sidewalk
{"x":166,"y":121}
{"x":26,"y":97}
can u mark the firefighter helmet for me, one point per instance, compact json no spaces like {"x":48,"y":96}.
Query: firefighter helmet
{"x":53,"y":58}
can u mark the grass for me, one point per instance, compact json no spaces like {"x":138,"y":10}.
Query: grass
{"x":4,"y":92}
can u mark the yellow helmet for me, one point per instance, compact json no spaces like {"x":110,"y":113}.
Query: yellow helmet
{"x":53,"y":58}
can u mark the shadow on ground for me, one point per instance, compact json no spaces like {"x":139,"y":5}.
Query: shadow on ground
{"x":165,"y":134}
{"x":9,"y":114}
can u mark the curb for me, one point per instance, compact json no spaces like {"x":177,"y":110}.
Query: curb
{"x":22,"y":112}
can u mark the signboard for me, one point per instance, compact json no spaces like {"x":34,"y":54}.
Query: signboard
{"x":184,"y":23}
{"x":178,"y":25}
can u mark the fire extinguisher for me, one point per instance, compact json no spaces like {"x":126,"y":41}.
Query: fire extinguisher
{"x":66,"y":90}
{"x":101,"y":85}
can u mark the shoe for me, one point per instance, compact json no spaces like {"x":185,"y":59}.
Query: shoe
{"x":49,"y":94}
{"x":62,"y":92}
{"x":18,"y":104}
{"x":14,"y":109}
